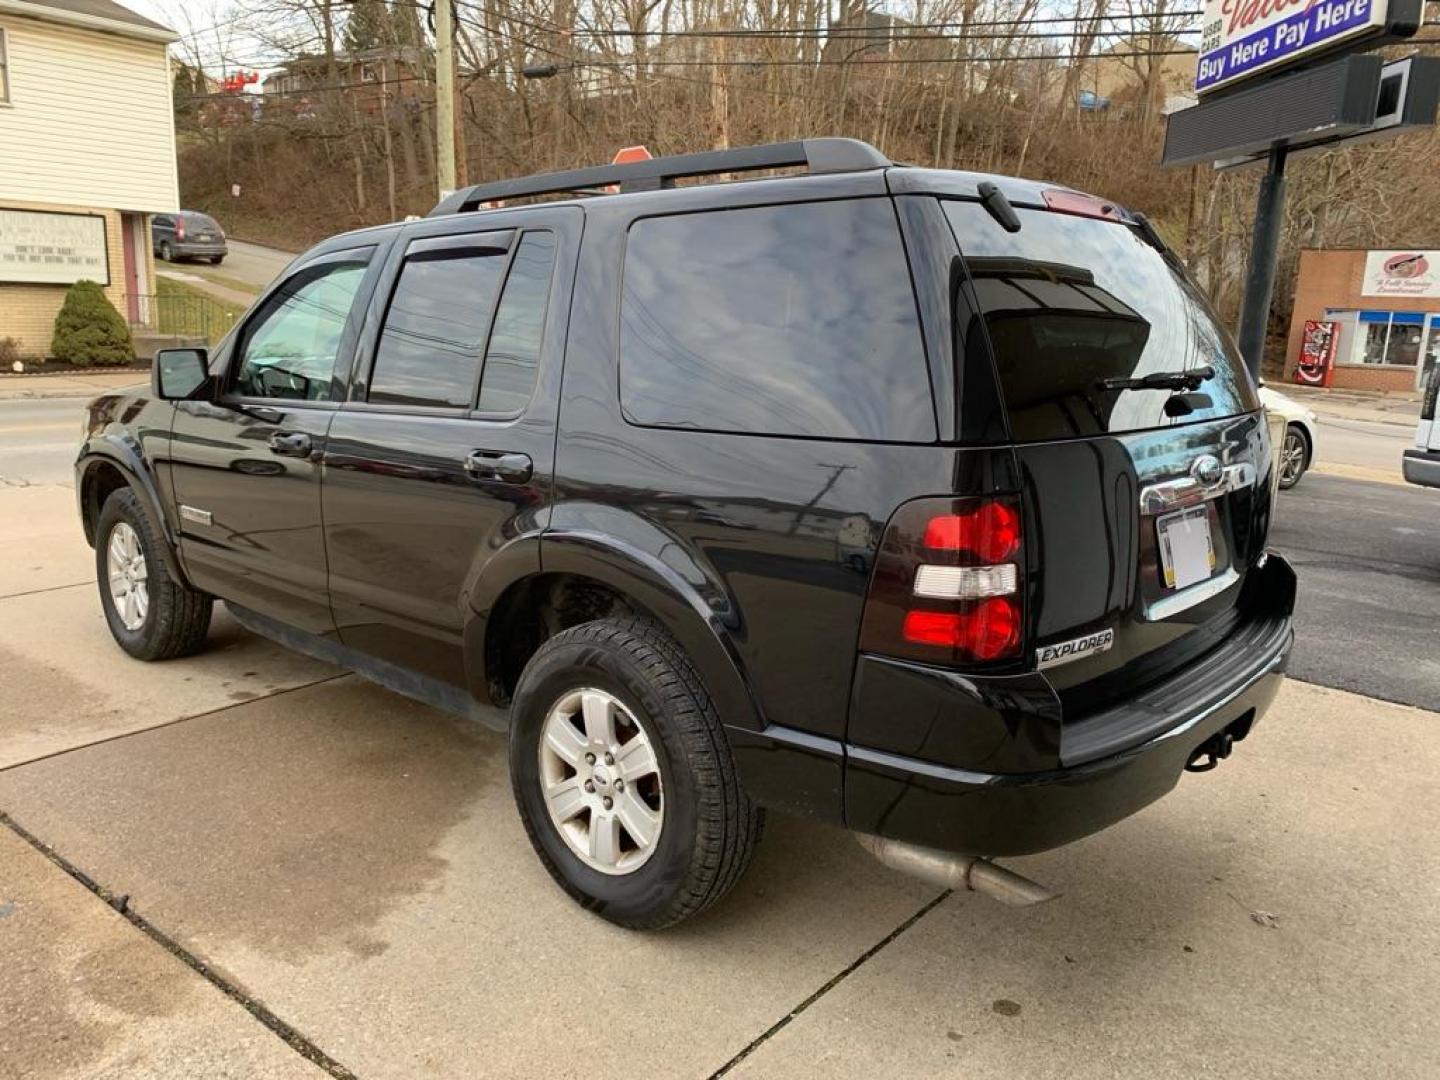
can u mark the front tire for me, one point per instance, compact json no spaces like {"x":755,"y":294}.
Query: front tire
{"x":151,"y":615}
{"x":624,"y":778}
{"x":1294,"y":457}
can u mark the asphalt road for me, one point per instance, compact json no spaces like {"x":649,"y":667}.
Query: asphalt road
{"x":254,"y":265}
{"x":38,"y":440}
{"x":247,"y":269}
{"x":1368,"y":559}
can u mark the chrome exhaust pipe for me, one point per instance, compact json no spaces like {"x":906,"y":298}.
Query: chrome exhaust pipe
{"x":951,"y":871}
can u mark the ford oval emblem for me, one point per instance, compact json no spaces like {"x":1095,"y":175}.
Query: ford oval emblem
{"x":1207,"y":469}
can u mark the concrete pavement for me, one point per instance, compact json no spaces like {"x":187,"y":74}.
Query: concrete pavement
{"x":86,"y":993}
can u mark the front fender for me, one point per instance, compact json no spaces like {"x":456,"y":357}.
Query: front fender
{"x":118,"y":450}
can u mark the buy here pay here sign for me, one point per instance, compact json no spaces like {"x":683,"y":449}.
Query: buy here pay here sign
{"x":1242,"y":37}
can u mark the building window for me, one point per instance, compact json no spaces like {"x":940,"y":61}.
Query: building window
{"x":1384,"y":338}
{"x":4,"y":68}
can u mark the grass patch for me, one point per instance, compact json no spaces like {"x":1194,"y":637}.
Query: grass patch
{"x":183,"y":310}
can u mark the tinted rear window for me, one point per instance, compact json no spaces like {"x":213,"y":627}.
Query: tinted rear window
{"x":201,"y":221}
{"x":785,"y":320}
{"x":1069,"y":301}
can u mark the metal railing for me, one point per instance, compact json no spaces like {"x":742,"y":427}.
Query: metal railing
{"x":187,"y":314}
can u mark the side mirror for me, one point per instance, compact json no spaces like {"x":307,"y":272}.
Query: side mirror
{"x":180,"y":374}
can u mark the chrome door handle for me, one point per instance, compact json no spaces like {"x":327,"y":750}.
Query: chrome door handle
{"x":501,"y":465}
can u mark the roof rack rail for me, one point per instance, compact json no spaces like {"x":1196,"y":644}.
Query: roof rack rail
{"x":818,"y":155}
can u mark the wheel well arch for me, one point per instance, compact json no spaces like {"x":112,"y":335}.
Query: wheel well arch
{"x":100,"y":480}
{"x":536,"y":608}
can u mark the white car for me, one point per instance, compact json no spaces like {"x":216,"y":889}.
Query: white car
{"x":1297,"y":450}
{"x":1421,"y":463}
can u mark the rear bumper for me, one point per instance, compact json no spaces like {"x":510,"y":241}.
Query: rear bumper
{"x":195,"y":251}
{"x":1108,"y":766}
{"x":1421,"y":467}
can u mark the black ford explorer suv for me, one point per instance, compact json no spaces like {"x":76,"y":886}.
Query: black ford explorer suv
{"x":928,"y":504}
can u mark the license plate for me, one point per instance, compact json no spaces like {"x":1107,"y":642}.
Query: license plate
{"x":1187,"y":553}
{"x":206,"y":236}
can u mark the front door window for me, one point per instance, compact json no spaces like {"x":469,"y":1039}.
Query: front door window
{"x":290,"y":347}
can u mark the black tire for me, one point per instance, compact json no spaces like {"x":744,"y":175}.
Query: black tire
{"x":1295,"y":437}
{"x":178,"y":618}
{"x":167,"y":253}
{"x":710,"y":825}
{"x":216,"y":260}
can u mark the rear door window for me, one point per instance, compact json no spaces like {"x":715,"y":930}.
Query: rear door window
{"x":431,"y":346}
{"x":1070,"y":301}
{"x":784,"y":320}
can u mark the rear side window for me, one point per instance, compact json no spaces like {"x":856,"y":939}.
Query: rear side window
{"x":784,"y":320}
{"x":1071,"y":301}
{"x":513,"y":358}
{"x":434,"y":334}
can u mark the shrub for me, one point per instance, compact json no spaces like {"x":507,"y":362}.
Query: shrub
{"x":89,"y":330}
{"x":9,"y":350}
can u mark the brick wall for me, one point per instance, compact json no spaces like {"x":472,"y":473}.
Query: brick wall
{"x":1334,"y":279}
{"x":27,"y":312}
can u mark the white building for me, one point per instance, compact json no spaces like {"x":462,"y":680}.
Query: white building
{"x":87,"y":154}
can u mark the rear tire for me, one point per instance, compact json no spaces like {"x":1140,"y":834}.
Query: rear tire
{"x":1294,"y":457}
{"x":216,"y":260}
{"x":167,"y":253}
{"x":151,"y":615}
{"x":704,"y":825}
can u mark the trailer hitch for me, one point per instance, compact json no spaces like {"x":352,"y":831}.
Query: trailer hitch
{"x":1213,"y":750}
{"x":1218,"y":747}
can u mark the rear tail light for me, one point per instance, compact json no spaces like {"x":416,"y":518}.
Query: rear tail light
{"x":179,"y":228}
{"x":947,"y":583}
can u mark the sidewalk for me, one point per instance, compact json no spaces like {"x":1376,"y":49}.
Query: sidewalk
{"x":1402,"y":409}
{"x":88,"y":384}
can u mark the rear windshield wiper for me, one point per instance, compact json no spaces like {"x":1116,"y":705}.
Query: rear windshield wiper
{"x":1160,"y":380}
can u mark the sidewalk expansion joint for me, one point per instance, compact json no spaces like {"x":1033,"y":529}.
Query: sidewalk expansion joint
{"x":48,"y":588}
{"x":171,"y":723}
{"x":784,"y":1021}
{"x":121,"y":904}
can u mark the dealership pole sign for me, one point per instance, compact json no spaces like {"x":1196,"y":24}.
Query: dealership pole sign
{"x":1242,"y":37}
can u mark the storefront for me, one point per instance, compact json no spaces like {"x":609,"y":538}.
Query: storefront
{"x":1365,"y":320}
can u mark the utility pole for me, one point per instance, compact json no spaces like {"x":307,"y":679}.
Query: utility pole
{"x":445,"y":95}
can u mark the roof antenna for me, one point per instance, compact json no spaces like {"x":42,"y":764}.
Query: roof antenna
{"x":994,"y":201}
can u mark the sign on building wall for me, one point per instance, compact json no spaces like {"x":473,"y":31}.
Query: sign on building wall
{"x":43,"y":248}
{"x":1402,"y":273}
{"x":1242,"y":37}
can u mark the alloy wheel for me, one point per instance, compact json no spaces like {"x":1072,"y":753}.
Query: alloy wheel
{"x":1292,"y":457}
{"x":125,"y":565}
{"x":601,"y":781}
